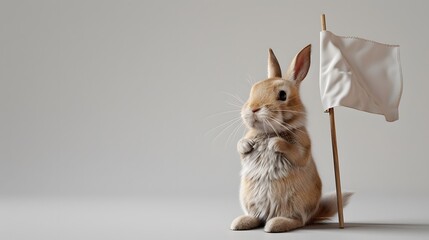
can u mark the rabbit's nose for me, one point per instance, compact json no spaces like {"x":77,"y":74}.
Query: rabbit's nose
{"x":255,"y":109}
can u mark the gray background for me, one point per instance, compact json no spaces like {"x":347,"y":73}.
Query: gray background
{"x":119,"y":98}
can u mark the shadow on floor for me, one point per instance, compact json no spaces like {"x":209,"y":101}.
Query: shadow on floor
{"x":403,"y":227}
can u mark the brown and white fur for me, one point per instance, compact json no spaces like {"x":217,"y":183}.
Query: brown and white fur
{"x":280,"y":185}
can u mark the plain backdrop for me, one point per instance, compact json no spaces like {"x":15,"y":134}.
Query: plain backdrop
{"x":131,"y":98}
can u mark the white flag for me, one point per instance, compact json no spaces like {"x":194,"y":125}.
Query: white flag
{"x":360,"y":74}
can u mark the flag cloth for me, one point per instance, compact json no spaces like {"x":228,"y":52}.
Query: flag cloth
{"x":360,"y":74}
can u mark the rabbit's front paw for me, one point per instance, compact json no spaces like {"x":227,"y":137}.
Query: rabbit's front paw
{"x":245,"y":145}
{"x":276,"y":144}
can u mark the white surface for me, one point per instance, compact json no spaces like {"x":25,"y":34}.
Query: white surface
{"x":367,"y":217}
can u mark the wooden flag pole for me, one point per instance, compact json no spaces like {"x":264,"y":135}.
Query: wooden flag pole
{"x":335,"y":153}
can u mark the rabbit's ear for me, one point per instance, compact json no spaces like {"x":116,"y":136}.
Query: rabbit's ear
{"x":273,"y":65}
{"x":298,"y":69}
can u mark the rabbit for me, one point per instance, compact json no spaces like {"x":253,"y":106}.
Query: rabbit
{"x":280,"y":186}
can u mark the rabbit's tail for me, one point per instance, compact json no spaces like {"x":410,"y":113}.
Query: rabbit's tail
{"x":328,"y":206}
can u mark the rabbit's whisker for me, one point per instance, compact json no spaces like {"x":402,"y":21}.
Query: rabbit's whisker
{"x":272,"y":127}
{"x":289,"y":111}
{"x":221,"y":113}
{"x":249,"y":80}
{"x":234,"y":96}
{"x":234,"y":105}
{"x":233,"y":132}
{"x":227,"y":127}
{"x":225,"y":123}
{"x":286,"y":127}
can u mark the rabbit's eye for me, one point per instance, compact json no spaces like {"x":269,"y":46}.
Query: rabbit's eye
{"x":282,"y":96}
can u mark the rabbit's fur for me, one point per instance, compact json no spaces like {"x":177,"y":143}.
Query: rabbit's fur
{"x":280,"y":185}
